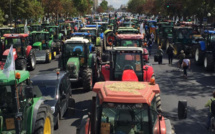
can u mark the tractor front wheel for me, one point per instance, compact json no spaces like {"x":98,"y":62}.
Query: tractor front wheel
{"x":21,"y":64}
{"x":199,"y":58}
{"x":87,"y":79}
{"x":44,"y":122}
{"x":209,"y":62}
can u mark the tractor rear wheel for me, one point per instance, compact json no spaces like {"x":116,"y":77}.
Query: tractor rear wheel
{"x":48,"y":57}
{"x":109,"y":36}
{"x":209,"y":62}
{"x":53,"y":54}
{"x":87,"y":79}
{"x":21,"y":64}
{"x":158,"y":102}
{"x":44,"y":122}
{"x":199,"y":58}
{"x":32,"y":61}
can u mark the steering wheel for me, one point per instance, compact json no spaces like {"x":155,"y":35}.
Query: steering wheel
{"x":127,"y":66}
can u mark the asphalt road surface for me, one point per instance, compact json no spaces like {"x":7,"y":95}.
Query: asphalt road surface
{"x":197,"y":90}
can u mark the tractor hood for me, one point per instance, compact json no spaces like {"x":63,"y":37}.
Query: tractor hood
{"x":73,"y":66}
{"x":6,"y":52}
{"x":37,"y":44}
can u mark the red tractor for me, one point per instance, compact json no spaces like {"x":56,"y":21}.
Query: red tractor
{"x":127,"y":108}
{"x":24,"y":55}
{"x":132,"y":40}
{"x":126,"y":63}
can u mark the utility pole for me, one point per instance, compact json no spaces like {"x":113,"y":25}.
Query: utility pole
{"x":10,"y":14}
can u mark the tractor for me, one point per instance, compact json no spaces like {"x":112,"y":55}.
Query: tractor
{"x":56,"y":36}
{"x":22,"y":109}
{"x":205,"y":51}
{"x":35,"y":27}
{"x":127,"y":30}
{"x":65,"y":29}
{"x":128,"y":107}
{"x":96,"y":37}
{"x":43,"y":46}
{"x":81,"y":64}
{"x":24,"y":55}
{"x":158,"y":30}
{"x":182,"y":40}
{"x":125,"y":58}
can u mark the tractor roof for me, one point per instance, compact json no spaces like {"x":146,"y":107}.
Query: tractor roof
{"x":128,"y":29}
{"x":81,"y":33}
{"x":37,"y":32}
{"x":77,"y":40}
{"x":182,"y":27}
{"x":35,"y":25}
{"x":93,"y":26}
{"x":125,"y":28}
{"x":101,"y":22}
{"x":209,"y":31}
{"x":126,"y":92}
{"x":52,"y":26}
{"x":6,"y":28}
{"x":88,"y":28}
{"x":11,"y":79}
{"x":130,"y":36}
{"x":15,"y":35}
{"x":128,"y":49}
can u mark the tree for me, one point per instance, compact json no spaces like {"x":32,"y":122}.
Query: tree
{"x":136,"y":6}
{"x":104,"y":5}
{"x":83,"y":6}
{"x":1,"y":17}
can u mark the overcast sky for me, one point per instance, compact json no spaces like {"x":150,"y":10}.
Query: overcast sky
{"x":115,"y":3}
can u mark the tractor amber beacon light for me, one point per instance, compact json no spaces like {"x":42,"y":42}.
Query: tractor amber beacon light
{"x":17,"y":75}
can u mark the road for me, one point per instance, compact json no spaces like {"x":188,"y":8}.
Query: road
{"x":197,"y":89}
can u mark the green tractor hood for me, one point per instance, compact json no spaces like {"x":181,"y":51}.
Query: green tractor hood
{"x":37,"y":44}
{"x":73,"y":66}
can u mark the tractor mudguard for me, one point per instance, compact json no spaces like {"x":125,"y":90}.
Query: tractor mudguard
{"x":106,"y":72}
{"x":102,"y":35}
{"x":107,"y":31}
{"x":98,"y":41}
{"x":31,"y":120}
{"x":73,"y":66}
{"x":162,"y":127}
{"x":129,"y":75}
{"x":6,"y":52}
{"x":90,"y":60}
{"x":202,"y":45}
{"x":40,"y":55}
{"x":148,"y":72}
{"x":90,"y":47}
{"x":60,"y":35}
{"x":28,"y":50}
{"x":50,"y":43}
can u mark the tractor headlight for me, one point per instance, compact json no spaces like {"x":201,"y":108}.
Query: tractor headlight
{"x":53,"y":109}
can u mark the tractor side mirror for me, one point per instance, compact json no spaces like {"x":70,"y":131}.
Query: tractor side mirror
{"x":182,"y":109}
{"x":29,"y":92}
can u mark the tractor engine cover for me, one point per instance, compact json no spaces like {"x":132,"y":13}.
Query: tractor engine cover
{"x":129,"y":75}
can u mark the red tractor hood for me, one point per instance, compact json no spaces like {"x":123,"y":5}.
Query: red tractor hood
{"x":129,"y":75}
{"x":6,"y":52}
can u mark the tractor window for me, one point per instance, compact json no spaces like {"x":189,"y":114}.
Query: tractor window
{"x":16,"y":42}
{"x":212,"y":38}
{"x":48,"y":91}
{"x":74,"y":49}
{"x":124,"y":118}
{"x":38,"y":37}
{"x":133,"y":43}
{"x":6,"y":100}
{"x":21,"y":92}
{"x":153,"y":108}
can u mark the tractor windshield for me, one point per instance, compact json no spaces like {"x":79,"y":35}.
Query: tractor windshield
{"x":16,"y":42}
{"x":5,"y":31}
{"x":132,"y":43}
{"x":48,"y":91}
{"x":92,"y":31}
{"x":128,"y":61}
{"x":212,"y":38}
{"x":74,"y":49}
{"x":36,"y":28}
{"x":125,"y":119}
{"x":38,"y":37}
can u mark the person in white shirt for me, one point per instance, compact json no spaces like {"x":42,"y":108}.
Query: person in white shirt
{"x":186,"y":65}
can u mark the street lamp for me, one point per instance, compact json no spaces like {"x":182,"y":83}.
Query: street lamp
{"x":209,"y":14}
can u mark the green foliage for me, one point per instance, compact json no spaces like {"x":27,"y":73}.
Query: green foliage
{"x":136,"y":6}
{"x":104,"y":5}
{"x":82,"y":6}
{"x":1,"y":17}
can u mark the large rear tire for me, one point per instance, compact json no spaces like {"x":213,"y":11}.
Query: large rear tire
{"x":199,"y":58}
{"x":21,"y":64}
{"x":209,"y":62}
{"x":44,"y":122}
{"x":48,"y":57}
{"x":87,"y":79}
{"x":32,"y":61}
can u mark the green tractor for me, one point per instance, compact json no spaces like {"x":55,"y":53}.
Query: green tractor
{"x":65,"y":29}
{"x":22,"y":110}
{"x":43,"y":46}
{"x":56,"y":36}
{"x":77,"y":59}
{"x":35,"y":27}
{"x":164,"y":36}
{"x":159,"y":31}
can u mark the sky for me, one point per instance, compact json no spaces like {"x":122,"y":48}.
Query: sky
{"x":115,"y":3}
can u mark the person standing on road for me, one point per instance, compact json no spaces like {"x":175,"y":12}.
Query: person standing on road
{"x":169,"y":52}
{"x":186,"y":65}
{"x":160,"y":55}
{"x":150,"y":46}
{"x":208,"y":104}
{"x":152,"y":37}
{"x":181,"y":56}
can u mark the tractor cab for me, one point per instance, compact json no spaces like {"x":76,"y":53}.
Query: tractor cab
{"x":103,"y":25}
{"x":95,"y":34}
{"x":35,"y":27}
{"x":126,"y":108}
{"x":127,"y":62}
{"x":6,"y":30}
{"x":210,"y":40}
{"x":65,"y":29}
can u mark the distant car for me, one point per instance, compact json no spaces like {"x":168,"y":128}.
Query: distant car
{"x":57,"y":90}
